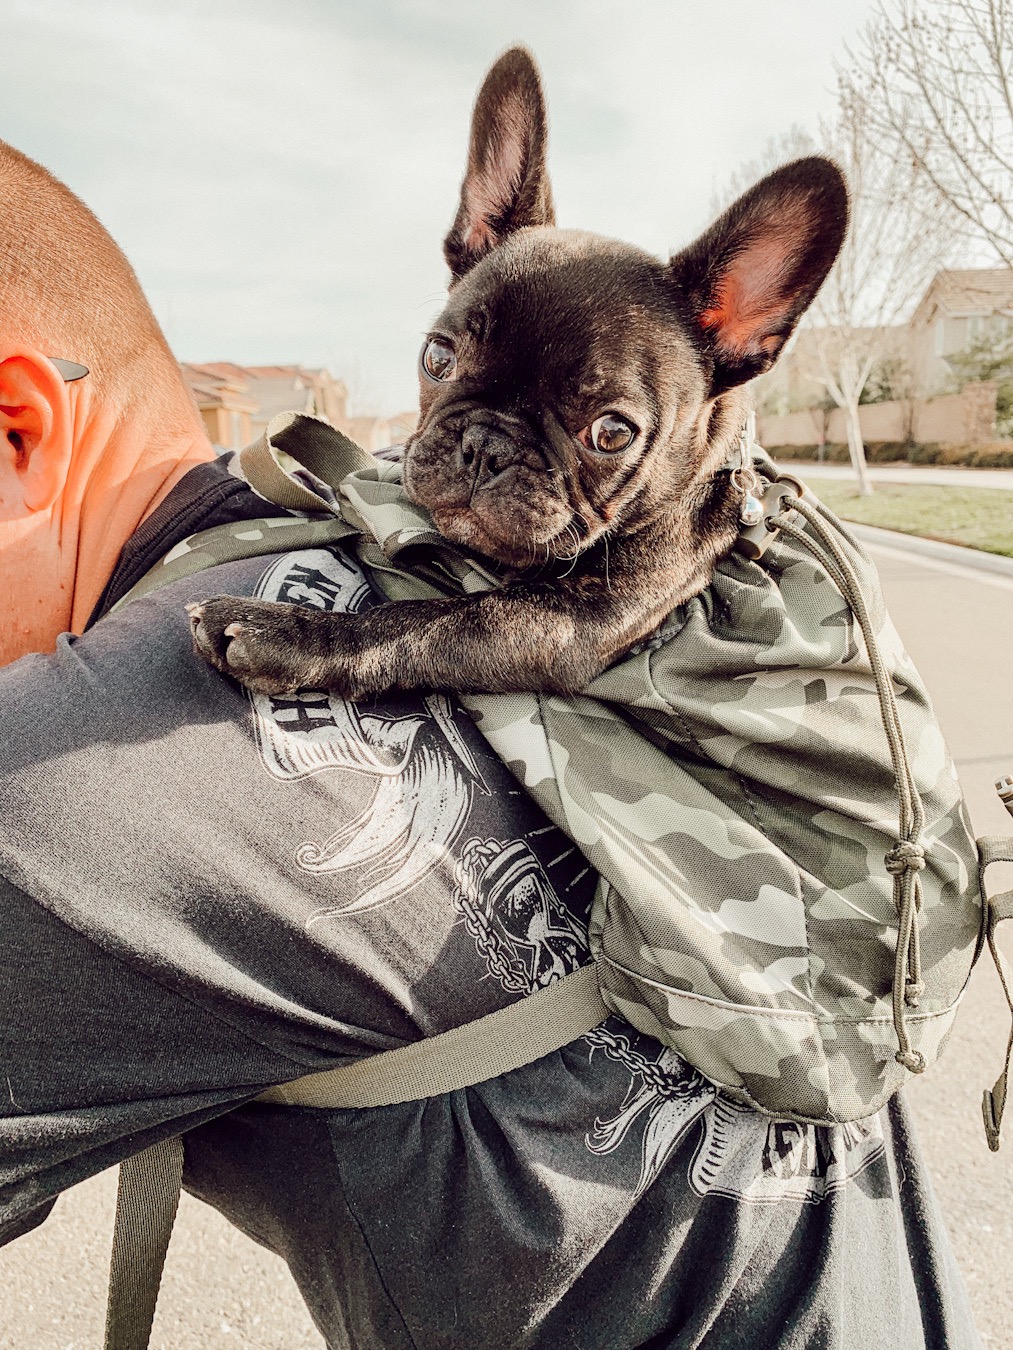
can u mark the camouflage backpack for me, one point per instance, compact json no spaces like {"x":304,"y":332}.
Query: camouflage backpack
{"x":790,"y":893}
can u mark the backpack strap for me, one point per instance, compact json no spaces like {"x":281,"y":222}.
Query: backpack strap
{"x":296,"y":464}
{"x":995,"y":848}
{"x":146,"y":1202}
{"x":299,"y":462}
{"x":503,"y":1040}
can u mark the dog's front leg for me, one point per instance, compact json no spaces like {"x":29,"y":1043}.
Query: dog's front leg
{"x":525,"y":637}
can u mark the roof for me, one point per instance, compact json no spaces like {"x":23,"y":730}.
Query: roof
{"x":262,"y":390}
{"x":211,"y":390}
{"x":298,"y":375}
{"x":971,"y":290}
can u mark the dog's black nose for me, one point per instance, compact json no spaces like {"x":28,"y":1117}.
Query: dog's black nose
{"x":485,"y":451}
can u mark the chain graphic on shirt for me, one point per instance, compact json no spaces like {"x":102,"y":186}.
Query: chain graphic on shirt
{"x":526,"y":935}
{"x":420,"y":772}
{"x":740,"y":1153}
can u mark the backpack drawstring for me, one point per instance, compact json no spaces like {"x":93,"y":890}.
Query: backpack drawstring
{"x":906,"y":859}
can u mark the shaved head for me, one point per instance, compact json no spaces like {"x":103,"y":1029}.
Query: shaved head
{"x":82,"y":462}
{"x":67,"y":289}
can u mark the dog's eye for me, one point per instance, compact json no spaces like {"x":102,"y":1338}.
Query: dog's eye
{"x":439,"y":360}
{"x":608,"y":434}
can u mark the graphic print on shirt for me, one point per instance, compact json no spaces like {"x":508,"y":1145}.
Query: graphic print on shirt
{"x":525,"y":934}
{"x":422,"y":773}
{"x":423,"y":782}
{"x":741,"y":1153}
{"x":529,"y":938}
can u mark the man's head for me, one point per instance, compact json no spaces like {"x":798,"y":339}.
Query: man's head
{"x":81,"y":461}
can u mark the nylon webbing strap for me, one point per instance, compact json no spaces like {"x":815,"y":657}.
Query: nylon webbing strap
{"x":319,"y":458}
{"x":509,"y":1038}
{"x":503,"y":1040}
{"x":997,"y":848}
{"x":146,"y":1203}
{"x":324,"y":452}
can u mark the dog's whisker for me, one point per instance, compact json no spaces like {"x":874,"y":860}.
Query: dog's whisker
{"x":572,"y":534}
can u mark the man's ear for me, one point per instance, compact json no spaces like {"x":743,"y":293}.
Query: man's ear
{"x":752,"y":275}
{"x":36,"y":429}
{"x":506,"y":186}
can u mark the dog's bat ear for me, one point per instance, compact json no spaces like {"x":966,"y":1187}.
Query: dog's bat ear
{"x":506,"y":186}
{"x":752,"y":275}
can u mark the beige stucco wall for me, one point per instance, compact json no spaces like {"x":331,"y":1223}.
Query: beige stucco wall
{"x":952,"y":417}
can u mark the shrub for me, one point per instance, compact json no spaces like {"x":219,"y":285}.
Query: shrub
{"x":992,"y":455}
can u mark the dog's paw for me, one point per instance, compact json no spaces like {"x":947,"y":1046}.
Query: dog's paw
{"x":270,"y":648}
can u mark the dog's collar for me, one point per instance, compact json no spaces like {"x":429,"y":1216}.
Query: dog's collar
{"x":743,"y":477}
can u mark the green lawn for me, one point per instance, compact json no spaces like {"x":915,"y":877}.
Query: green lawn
{"x":975,"y":517}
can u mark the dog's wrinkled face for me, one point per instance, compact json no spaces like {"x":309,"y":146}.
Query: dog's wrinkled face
{"x":575,"y":386}
{"x":560,"y":397}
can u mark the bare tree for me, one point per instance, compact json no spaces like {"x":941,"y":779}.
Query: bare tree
{"x":892,"y":250}
{"x":933,"y":78}
{"x":820,"y":414}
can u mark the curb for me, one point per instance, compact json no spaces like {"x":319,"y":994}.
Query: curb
{"x":974,"y":559}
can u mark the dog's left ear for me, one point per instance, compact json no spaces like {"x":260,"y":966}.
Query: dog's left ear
{"x":752,"y":275}
{"x":506,"y":185}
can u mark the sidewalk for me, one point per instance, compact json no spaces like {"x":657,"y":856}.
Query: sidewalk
{"x":949,"y":555}
{"x":934,"y":475}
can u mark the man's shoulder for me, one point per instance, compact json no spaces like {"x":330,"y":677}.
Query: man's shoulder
{"x":210,"y":494}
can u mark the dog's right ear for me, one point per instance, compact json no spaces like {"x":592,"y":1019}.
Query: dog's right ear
{"x":506,"y":186}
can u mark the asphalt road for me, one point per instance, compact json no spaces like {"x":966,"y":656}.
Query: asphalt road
{"x":957,"y":624}
{"x":221,"y":1290}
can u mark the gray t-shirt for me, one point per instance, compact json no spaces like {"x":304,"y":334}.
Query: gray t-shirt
{"x":205,"y":893}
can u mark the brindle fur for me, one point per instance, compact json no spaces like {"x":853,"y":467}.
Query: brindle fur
{"x":551,"y":329}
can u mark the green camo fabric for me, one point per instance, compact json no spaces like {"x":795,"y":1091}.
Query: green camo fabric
{"x":730,"y":782}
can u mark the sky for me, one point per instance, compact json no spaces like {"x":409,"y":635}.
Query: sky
{"x":281,"y":175}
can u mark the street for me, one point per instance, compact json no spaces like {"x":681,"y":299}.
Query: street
{"x":221,"y":1290}
{"x":958,"y":627}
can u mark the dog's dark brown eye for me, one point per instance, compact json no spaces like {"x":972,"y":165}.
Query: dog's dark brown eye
{"x":608,"y":434}
{"x":438,"y":360}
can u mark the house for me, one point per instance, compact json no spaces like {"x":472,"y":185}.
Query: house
{"x":269,"y":390}
{"x":918,"y":390}
{"x":371,"y":433}
{"x":225,"y":406}
{"x":793,"y":384}
{"x":961,"y":307}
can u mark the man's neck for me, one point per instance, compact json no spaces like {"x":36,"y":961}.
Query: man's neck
{"x":136,"y":471}
{"x":122,"y":469}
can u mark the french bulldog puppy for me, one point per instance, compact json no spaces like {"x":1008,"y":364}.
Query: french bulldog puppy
{"x":579,"y":400}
